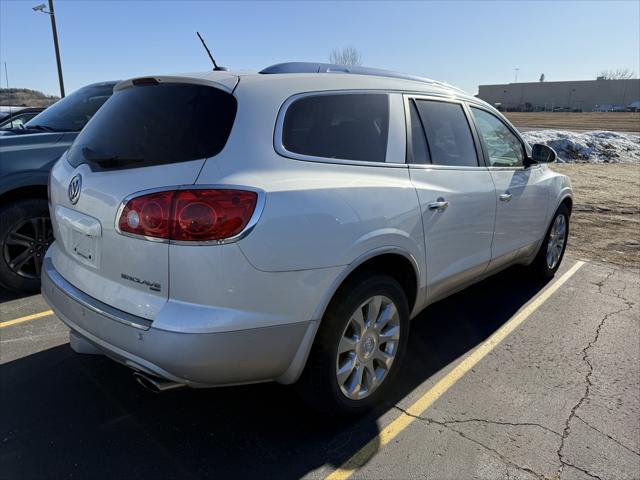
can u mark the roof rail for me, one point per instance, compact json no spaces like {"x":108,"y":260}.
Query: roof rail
{"x":312,"y":67}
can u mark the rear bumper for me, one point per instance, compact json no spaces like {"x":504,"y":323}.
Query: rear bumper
{"x":196,"y":359}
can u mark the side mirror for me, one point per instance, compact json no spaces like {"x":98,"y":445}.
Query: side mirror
{"x":541,"y":154}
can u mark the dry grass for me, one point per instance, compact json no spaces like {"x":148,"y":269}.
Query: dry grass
{"x":24,"y":96}
{"x":616,"y":122}
{"x":605,"y":224}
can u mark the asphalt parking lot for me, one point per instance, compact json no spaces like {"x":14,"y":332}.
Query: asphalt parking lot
{"x":512,"y":378}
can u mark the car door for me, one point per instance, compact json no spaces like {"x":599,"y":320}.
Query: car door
{"x":522,"y":198}
{"x":455,"y":192}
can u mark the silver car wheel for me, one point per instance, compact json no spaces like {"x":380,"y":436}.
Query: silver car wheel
{"x":556,"y":240}
{"x":368,"y":347}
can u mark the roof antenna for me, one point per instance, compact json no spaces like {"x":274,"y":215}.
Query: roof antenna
{"x":215,"y":65}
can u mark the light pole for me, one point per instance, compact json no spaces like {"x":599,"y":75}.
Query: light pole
{"x":516,"y":79}
{"x":54,"y":30}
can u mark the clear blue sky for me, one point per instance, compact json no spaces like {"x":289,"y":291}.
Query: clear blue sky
{"x":463,"y":43}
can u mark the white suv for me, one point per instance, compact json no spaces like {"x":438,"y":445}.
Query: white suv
{"x":225,"y":228}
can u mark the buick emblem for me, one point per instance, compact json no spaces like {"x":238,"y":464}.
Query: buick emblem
{"x":75,"y":185}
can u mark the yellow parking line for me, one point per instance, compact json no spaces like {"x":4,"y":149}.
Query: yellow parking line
{"x":405,"y":419}
{"x":26,"y":319}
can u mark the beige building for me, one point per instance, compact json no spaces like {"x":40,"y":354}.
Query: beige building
{"x":583,"y":95}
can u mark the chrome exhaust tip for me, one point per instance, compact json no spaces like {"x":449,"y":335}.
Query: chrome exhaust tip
{"x":155,"y":384}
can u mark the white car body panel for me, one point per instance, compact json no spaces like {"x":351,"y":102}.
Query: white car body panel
{"x":322,"y":218}
{"x":102,"y":194}
{"x":521,"y":219}
{"x":458,"y":239}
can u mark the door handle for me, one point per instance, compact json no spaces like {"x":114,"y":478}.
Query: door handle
{"x":440,"y":205}
{"x":505,"y":197}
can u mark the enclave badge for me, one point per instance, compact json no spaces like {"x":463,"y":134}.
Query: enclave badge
{"x":75,"y":185}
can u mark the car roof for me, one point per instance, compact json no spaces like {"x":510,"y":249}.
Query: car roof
{"x":311,"y":67}
{"x":308,"y":76}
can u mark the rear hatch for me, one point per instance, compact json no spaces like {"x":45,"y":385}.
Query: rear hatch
{"x":151,"y":134}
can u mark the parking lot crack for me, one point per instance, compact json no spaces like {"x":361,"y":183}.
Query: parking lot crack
{"x":496,"y":422}
{"x":615,"y":294}
{"x":586,"y":472}
{"x":587,"y":380}
{"x":449,"y":425}
{"x":608,"y":436}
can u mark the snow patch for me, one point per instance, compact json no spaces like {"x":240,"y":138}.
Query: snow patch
{"x":589,"y":147}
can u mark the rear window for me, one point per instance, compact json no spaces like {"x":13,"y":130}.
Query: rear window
{"x":151,"y":125}
{"x":347,"y":126}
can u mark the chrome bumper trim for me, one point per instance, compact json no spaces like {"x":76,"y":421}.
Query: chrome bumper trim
{"x":91,"y":303}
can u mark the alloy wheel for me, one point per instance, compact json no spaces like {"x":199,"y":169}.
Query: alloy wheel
{"x":25,"y":245}
{"x":556,"y":241}
{"x":368,"y":347}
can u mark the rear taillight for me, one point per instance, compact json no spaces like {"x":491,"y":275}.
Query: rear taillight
{"x":189,"y":215}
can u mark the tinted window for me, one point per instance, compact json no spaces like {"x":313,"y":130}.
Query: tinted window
{"x":154,"y":125}
{"x":419,"y":152}
{"x":348,"y":127}
{"x":448,"y":134}
{"x":503,"y":147}
{"x":73,"y":112}
{"x":16,"y":121}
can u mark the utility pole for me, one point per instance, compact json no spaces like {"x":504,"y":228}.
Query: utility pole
{"x":54,"y":30}
{"x":55,"y":44}
{"x":515,"y":69}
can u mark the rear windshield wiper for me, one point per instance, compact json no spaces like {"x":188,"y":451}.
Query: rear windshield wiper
{"x":40,"y":127}
{"x":106,"y":161}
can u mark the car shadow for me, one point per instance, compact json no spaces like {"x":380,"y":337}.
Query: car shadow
{"x":69,"y":415}
{"x":7,"y":295}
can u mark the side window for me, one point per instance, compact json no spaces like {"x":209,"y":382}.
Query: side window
{"x":346,"y":126}
{"x":448,"y":133}
{"x":503,"y":147}
{"x":419,"y":151}
{"x":15,"y":123}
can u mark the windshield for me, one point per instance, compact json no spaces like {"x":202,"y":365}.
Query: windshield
{"x":73,"y":112}
{"x":155,"y":125}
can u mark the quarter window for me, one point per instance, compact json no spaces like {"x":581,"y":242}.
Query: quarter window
{"x":503,"y":147}
{"x":448,"y":134}
{"x":347,"y":126}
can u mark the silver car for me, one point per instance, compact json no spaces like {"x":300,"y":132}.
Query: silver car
{"x":227,"y":228}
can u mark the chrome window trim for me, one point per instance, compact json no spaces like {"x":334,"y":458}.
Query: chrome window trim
{"x":515,"y":168}
{"x":257,"y":213}
{"x":91,"y":303}
{"x":446,"y":167}
{"x":392,"y":129}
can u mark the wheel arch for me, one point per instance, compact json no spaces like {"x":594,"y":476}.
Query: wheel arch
{"x":392,"y":261}
{"x":24,"y":185}
{"x":567,"y":200}
{"x":23,"y":193}
{"x":395,"y":262}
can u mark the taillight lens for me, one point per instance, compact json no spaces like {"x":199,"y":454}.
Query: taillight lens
{"x":189,"y":215}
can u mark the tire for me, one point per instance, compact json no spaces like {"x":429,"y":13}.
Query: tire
{"x":25,"y":235}
{"x":320,"y":384}
{"x":551,"y":252}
